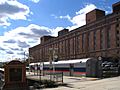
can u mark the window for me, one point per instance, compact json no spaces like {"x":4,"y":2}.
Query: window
{"x":71,"y":46}
{"x":117,"y":38}
{"x":117,"y":19}
{"x":78,"y":44}
{"x":88,"y":20}
{"x":117,"y":35}
{"x":82,"y":42}
{"x":118,"y":45}
{"x":94,"y":40}
{"x":101,"y":39}
{"x":108,"y":37}
{"x":117,"y":31}
{"x":118,"y":52}
{"x":88,"y":40}
{"x":117,"y":25}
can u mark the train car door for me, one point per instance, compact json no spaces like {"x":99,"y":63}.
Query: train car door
{"x":71,"y":69}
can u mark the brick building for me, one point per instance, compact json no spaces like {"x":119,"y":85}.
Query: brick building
{"x":99,"y":37}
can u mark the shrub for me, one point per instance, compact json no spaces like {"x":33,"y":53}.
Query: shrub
{"x":49,"y":83}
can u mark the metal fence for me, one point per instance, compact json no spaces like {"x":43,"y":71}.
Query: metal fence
{"x":55,"y":76}
{"x":43,"y":75}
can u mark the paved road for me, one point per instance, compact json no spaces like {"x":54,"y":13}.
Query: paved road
{"x":90,"y":84}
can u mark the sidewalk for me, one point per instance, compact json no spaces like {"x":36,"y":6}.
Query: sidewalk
{"x":84,"y":83}
{"x":90,"y":84}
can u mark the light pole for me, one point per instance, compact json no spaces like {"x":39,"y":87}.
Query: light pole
{"x":29,"y":64}
{"x":29,"y":57}
{"x":53,"y":61}
{"x":53,"y":51}
{"x":40,"y":68}
{"x":24,"y":56}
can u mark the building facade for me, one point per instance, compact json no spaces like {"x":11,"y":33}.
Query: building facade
{"x":99,"y":37}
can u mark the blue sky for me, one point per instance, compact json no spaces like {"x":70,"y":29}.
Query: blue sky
{"x":23,"y":22}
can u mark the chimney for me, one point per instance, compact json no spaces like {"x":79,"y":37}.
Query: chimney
{"x":94,"y":15}
{"x":46,"y":38}
{"x":116,"y":7}
{"x":63,"y":32}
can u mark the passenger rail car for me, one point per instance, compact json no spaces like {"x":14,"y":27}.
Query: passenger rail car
{"x":75,"y":67}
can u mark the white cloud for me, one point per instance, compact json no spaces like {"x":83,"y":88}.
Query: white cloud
{"x":12,"y":9}
{"x":62,"y":17}
{"x":4,"y":21}
{"x":79,"y":19}
{"x":22,"y":38}
{"x":31,"y":32}
{"x":65,"y":17}
{"x":54,"y":32}
{"x":35,"y":1}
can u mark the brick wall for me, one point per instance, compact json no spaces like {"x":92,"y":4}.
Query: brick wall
{"x":90,"y":40}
